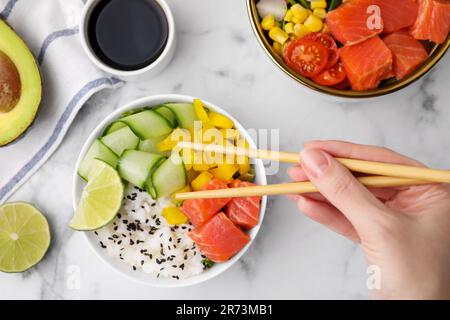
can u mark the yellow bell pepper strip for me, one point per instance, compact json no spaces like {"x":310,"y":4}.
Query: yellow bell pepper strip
{"x":201,"y":113}
{"x":225,"y":172}
{"x":172,"y":140}
{"x":191,"y":175}
{"x":202,"y":179}
{"x":174,"y":215}
{"x":244,"y":167}
{"x":229,"y":134}
{"x":187,"y":188}
{"x":220,"y":121}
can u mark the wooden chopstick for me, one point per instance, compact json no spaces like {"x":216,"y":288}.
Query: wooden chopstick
{"x":293,"y":188}
{"x":363,"y":166}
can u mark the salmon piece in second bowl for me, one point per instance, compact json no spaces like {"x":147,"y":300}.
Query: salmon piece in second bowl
{"x":366,"y":63}
{"x":351,"y":22}
{"x":219,"y":239}
{"x":433,"y":21}
{"x":243,"y":211}
{"x":199,"y":211}
{"x":408,"y":53}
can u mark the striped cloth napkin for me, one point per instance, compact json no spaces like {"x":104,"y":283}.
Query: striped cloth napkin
{"x":50,"y":28}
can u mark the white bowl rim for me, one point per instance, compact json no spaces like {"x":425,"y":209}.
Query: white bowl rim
{"x":150,"y":280}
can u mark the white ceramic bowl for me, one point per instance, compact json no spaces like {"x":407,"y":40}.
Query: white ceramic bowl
{"x":135,"y":75}
{"x":125,"y":269}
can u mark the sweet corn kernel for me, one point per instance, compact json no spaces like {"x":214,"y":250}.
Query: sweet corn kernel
{"x":320,"y":13}
{"x":202,"y":179}
{"x":289,"y":27}
{"x":278,"y":35}
{"x":318,"y":4}
{"x":299,"y":12}
{"x":300,"y":30}
{"x":288,"y":16}
{"x":325,"y":28}
{"x":313,"y":23}
{"x":268,"y":22}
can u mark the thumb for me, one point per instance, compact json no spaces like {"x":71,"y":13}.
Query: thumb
{"x":340,"y":187}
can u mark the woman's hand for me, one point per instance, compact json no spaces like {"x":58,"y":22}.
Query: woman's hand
{"x":404,"y":231}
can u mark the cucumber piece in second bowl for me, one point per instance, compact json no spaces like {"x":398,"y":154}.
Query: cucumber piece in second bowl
{"x":114,"y":127}
{"x":120,"y":140}
{"x":184,"y":113}
{"x":148,"y":124}
{"x":150,"y":145}
{"x":97,"y":151}
{"x":136,"y":166}
{"x":169,"y":177}
{"x":168,"y":114}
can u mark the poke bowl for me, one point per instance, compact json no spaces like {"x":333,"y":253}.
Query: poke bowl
{"x":401,"y":24}
{"x":145,"y":240}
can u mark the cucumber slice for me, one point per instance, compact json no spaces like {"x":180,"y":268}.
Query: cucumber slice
{"x":148,"y":124}
{"x":149,"y":145}
{"x":184,"y":113}
{"x":169,"y":177}
{"x":114,"y":127}
{"x":120,"y":140}
{"x":97,"y":151}
{"x":168,"y":114}
{"x":135,"y":166}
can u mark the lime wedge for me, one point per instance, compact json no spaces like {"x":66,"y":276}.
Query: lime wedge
{"x":24,"y":236}
{"x":101,"y":198}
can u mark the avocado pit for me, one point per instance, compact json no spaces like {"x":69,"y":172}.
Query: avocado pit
{"x":10,"y":85}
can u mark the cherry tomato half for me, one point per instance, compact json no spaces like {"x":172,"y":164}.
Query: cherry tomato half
{"x":332,"y":76}
{"x":306,"y":57}
{"x":328,"y":42}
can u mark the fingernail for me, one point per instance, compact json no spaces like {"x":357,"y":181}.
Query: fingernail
{"x":314,"y":162}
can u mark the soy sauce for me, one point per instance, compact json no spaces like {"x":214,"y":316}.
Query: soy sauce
{"x":128,"y":34}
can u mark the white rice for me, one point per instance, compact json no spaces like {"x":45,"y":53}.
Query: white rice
{"x":141,"y":237}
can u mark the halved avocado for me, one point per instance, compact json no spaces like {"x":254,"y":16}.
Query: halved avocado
{"x":20,"y":85}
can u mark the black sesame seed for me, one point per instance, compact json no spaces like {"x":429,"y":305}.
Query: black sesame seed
{"x":134,"y":268}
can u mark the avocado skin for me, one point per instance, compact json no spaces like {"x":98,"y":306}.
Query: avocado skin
{"x":30,"y":71}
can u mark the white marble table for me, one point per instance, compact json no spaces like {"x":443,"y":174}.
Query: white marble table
{"x":219,"y":60}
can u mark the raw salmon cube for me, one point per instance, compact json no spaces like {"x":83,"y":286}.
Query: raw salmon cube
{"x":433,"y":21}
{"x":243,"y":211}
{"x":353,"y":22}
{"x":408,"y":53}
{"x":199,"y":211}
{"x":397,"y":14}
{"x":366,"y":63}
{"x":219,"y":239}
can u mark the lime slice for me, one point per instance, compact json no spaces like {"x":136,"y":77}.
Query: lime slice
{"x":101,"y":198}
{"x":24,"y":236}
